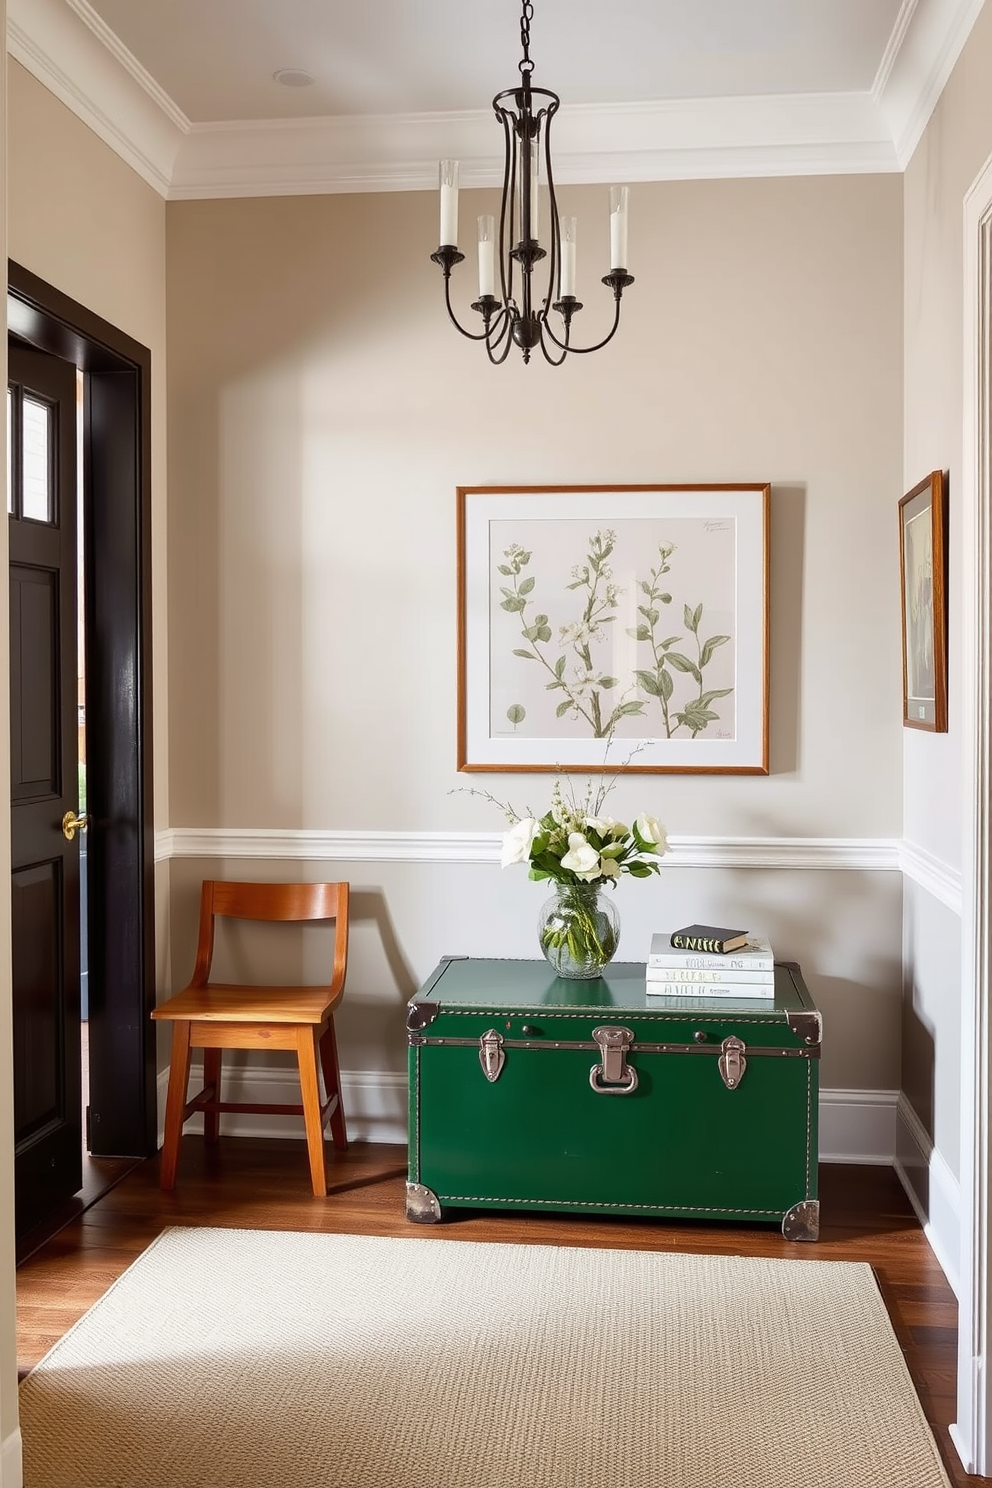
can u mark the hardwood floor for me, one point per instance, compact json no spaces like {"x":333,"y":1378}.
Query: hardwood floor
{"x":240,"y":1183}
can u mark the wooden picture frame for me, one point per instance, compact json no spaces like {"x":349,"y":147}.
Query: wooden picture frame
{"x":922,"y":559}
{"x":608,"y":627}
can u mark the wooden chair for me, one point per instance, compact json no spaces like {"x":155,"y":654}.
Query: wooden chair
{"x":214,"y":1016}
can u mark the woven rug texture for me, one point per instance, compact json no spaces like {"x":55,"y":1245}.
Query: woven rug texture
{"x":247,"y":1359}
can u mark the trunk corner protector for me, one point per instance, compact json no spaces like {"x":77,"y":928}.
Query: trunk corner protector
{"x":422,"y":1204}
{"x":802,"y":1222}
{"x":807,"y":1026}
{"x":421,"y":1015}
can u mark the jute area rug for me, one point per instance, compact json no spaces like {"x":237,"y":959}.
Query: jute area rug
{"x":240,"y":1359}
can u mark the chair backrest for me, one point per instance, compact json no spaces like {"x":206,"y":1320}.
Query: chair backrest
{"x":290,"y":902}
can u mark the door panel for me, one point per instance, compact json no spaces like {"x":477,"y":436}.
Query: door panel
{"x":36,"y":893}
{"x":34,"y":627}
{"x":44,"y":782}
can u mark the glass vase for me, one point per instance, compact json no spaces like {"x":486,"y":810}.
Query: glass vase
{"x":579,"y":930}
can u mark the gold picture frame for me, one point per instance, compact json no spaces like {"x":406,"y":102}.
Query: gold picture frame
{"x":922,"y":560}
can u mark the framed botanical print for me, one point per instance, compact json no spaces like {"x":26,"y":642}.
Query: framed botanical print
{"x":609,"y":626}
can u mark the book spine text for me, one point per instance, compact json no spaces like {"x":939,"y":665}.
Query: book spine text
{"x":693,"y":974}
{"x":693,"y":962}
{"x":742,"y":990}
{"x":697,"y":943}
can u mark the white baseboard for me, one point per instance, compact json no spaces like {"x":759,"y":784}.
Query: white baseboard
{"x":856,"y":1126}
{"x":933,"y":1190}
{"x":11,"y":1461}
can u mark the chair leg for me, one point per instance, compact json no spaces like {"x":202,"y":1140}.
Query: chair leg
{"x":332,"y":1084}
{"x":175,"y":1104}
{"x":211,"y":1076}
{"x":306,"y":1049}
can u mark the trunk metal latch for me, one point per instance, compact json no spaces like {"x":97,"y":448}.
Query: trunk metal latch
{"x":732,"y":1062}
{"x":491,"y":1055}
{"x":613,"y":1076}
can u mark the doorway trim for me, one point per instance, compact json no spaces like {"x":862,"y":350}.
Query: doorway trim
{"x":970,"y":1432}
{"x":121,"y":855}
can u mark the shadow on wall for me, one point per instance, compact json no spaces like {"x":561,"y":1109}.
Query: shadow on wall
{"x":374,"y":1031}
{"x":919,"y":1061}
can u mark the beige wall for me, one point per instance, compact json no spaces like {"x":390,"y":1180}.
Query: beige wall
{"x":322,"y":412}
{"x":953,"y":150}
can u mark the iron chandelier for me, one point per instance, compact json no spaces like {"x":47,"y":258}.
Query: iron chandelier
{"x":525,"y":113}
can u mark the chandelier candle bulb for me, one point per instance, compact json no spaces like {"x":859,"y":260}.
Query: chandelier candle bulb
{"x":487,"y":261}
{"x":449,"y":203}
{"x":618,"y":227}
{"x":568,"y":226}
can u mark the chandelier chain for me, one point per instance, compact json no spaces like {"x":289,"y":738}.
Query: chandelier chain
{"x":526,"y":65}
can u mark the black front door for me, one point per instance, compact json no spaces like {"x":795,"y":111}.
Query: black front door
{"x":41,"y":515}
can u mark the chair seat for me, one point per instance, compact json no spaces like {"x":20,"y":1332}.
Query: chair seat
{"x":228,"y":1002}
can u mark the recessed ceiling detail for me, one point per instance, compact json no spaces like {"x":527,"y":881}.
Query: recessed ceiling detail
{"x":293,"y":77}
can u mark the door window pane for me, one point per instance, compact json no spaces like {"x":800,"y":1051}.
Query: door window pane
{"x":10,"y":451}
{"x":37,"y":436}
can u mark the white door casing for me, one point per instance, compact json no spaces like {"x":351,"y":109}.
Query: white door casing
{"x":970,"y":1432}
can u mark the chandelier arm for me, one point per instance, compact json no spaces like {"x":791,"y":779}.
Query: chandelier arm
{"x":506,"y":203}
{"x":492,"y":347}
{"x":469,"y":335}
{"x":555,"y":361}
{"x":500,"y":331}
{"x":554,"y":267}
{"x":566,"y":345}
{"x":508,"y":317}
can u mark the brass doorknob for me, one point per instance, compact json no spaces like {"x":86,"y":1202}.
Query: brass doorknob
{"x":71,"y":823}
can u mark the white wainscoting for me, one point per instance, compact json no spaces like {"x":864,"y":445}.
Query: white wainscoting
{"x":856,"y":1126}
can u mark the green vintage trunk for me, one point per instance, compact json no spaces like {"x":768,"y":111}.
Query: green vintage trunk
{"x":709,"y":1112}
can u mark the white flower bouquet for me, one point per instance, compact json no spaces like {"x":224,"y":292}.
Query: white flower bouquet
{"x":573,"y":844}
{"x":581,"y":850}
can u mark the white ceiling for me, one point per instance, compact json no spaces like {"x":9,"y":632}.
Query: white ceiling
{"x":651,"y":89}
{"x":216,"y":58}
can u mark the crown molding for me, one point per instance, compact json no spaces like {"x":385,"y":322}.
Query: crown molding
{"x":67,"y":46}
{"x":129,"y":62}
{"x":689,"y":139}
{"x":58,"y":45}
{"x":927,"y":39}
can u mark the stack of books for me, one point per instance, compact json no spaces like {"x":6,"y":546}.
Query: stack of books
{"x":674,"y":970}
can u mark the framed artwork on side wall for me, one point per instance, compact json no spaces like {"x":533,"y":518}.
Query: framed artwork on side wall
{"x":922,"y":519}
{"x":613,"y":627}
